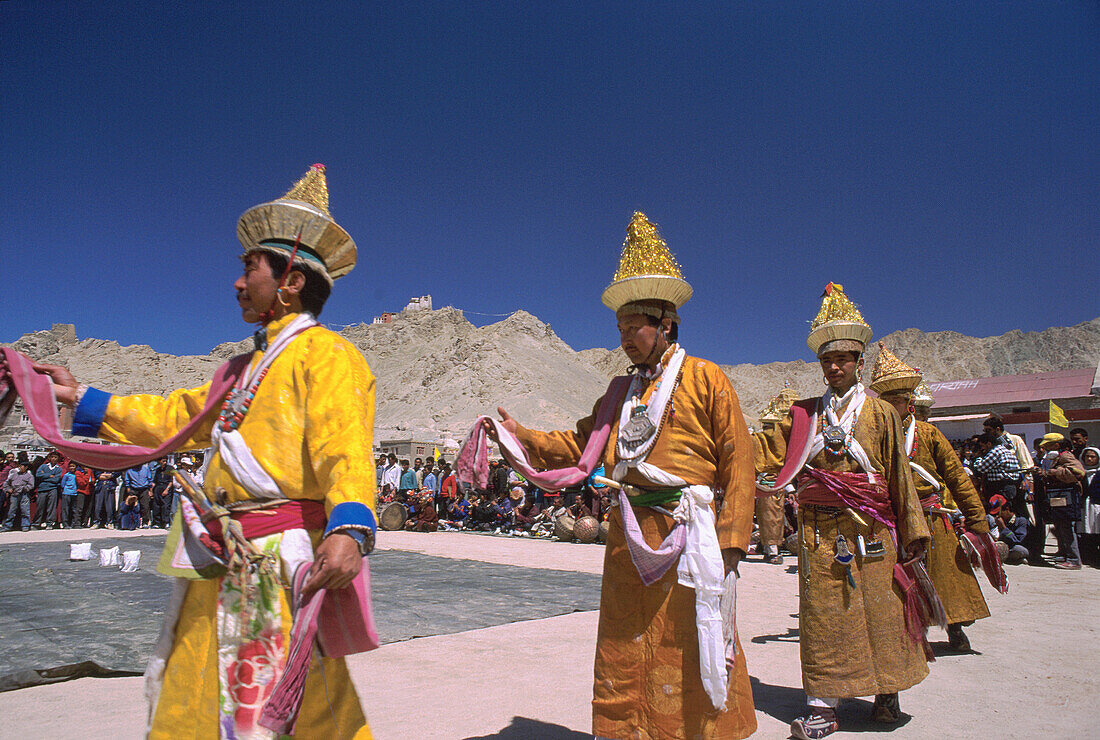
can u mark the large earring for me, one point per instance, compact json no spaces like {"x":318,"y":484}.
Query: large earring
{"x":824,"y":380}
{"x":279,"y":295}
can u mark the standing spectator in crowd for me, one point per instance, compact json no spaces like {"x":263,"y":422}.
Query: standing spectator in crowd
{"x":996,"y":426}
{"x":1062,"y":482}
{"x":1089,"y":525}
{"x":84,"y":494}
{"x":103,"y":505}
{"x":1012,"y":530}
{"x":379,"y":469}
{"x":1079,"y":438}
{"x":6,"y":467}
{"x":408,"y":483}
{"x":1000,"y":472}
{"x":139,"y":482}
{"x":448,"y":490}
{"x":430,"y":479}
{"x":17,"y":486}
{"x":162,"y":494}
{"x":70,"y":517}
{"x":391,"y":477}
{"x":48,"y":476}
{"x":500,"y":479}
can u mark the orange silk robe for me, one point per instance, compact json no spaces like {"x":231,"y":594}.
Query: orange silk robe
{"x":647,"y":681}
{"x":948,"y":565}
{"x":853,"y":642}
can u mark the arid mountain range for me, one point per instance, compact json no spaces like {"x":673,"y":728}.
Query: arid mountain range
{"x":436,"y":371}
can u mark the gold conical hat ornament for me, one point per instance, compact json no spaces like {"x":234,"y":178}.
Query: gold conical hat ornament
{"x":922,"y":395}
{"x":770,"y":414}
{"x":647,"y":272}
{"x":785,"y":399}
{"x":301,"y":217}
{"x":891,"y":374}
{"x":839,"y":326}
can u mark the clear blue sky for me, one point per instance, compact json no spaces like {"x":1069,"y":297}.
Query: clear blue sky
{"x":941,"y":160}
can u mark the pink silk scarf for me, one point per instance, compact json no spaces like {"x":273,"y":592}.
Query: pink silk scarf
{"x":18,"y":378}
{"x":472,"y":465}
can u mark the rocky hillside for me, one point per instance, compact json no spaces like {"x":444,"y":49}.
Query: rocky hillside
{"x":436,"y":371}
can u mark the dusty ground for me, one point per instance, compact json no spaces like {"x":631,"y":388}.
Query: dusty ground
{"x":1032,"y":677}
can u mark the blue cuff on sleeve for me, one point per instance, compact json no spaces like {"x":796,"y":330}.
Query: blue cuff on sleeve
{"x":89,"y":414}
{"x":355,"y":520}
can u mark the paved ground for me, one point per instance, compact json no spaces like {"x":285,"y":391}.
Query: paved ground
{"x":1032,"y":677}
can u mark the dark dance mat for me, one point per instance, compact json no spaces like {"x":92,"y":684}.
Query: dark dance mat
{"x":61,"y":620}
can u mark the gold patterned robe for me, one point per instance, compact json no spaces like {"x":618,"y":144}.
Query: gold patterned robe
{"x":853,"y":642}
{"x":310,"y":426}
{"x":948,"y":565}
{"x":647,"y":683}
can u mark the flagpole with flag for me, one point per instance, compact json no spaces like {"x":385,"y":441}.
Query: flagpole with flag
{"x":1057,"y":417}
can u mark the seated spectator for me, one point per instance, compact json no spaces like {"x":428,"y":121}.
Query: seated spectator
{"x":1013,"y":530}
{"x":458,"y":513}
{"x":129,"y":514}
{"x":486,"y":514}
{"x":524,"y":514}
{"x":422,"y":516}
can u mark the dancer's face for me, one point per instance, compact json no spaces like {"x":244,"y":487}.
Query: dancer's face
{"x":840,"y":369}
{"x":643,"y":342}
{"x":899,"y":400}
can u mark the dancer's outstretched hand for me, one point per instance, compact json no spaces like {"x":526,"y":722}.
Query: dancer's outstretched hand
{"x":506,"y":421}
{"x":64,"y":384}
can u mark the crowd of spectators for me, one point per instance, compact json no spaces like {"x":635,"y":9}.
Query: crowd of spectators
{"x":1055,"y":485}
{"x":50,"y":492}
{"x":436,"y":501}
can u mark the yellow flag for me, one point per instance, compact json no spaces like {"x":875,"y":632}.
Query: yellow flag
{"x":1057,"y":416}
{"x":435,"y":450}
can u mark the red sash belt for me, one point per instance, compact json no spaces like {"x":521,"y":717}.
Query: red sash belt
{"x":847,"y":490}
{"x":294,"y":514}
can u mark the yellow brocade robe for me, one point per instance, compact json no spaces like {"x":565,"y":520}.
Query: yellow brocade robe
{"x":647,"y":681}
{"x":948,"y":565}
{"x":853,"y":642}
{"x":310,"y":427}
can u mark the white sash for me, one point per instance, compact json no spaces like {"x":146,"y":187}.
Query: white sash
{"x":237,"y":458}
{"x":855,"y":398}
{"x":910,"y":446}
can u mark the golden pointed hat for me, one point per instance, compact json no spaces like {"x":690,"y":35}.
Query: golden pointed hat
{"x":838,"y":326}
{"x":785,"y":399}
{"x":770,"y":414}
{"x":922,"y":395}
{"x":647,"y":273}
{"x":890,"y":374}
{"x":301,"y":217}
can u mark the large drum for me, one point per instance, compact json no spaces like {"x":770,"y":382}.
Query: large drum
{"x":393,"y":517}
{"x":563,"y":527}
{"x":587,"y":529}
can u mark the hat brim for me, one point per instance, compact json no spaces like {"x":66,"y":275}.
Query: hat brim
{"x":822,"y":338}
{"x":284,"y":219}
{"x":676,"y":291}
{"x":895,"y":382}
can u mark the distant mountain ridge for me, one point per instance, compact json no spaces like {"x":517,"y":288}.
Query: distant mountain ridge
{"x":436,"y":372}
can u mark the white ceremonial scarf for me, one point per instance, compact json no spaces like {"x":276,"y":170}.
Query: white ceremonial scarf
{"x":910,"y":446}
{"x":238,"y":459}
{"x":852,"y":403}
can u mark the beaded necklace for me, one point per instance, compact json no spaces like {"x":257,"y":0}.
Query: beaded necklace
{"x":236,"y":404}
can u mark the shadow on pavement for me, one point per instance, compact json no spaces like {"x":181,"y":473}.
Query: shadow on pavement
{"x":525,"y":728}
{"x":790,"y":636}
{"x":787,"y":703}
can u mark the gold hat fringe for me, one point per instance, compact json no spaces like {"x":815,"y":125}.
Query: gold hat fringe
{"x":785,"y":399}
{"x":890,"y":374}
{"x":838,"y":325}
{"x":770,"y":414}
{"x":647,"y":270}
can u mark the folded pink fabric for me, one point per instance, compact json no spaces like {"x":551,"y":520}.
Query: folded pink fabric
{"x":18,"y":378}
